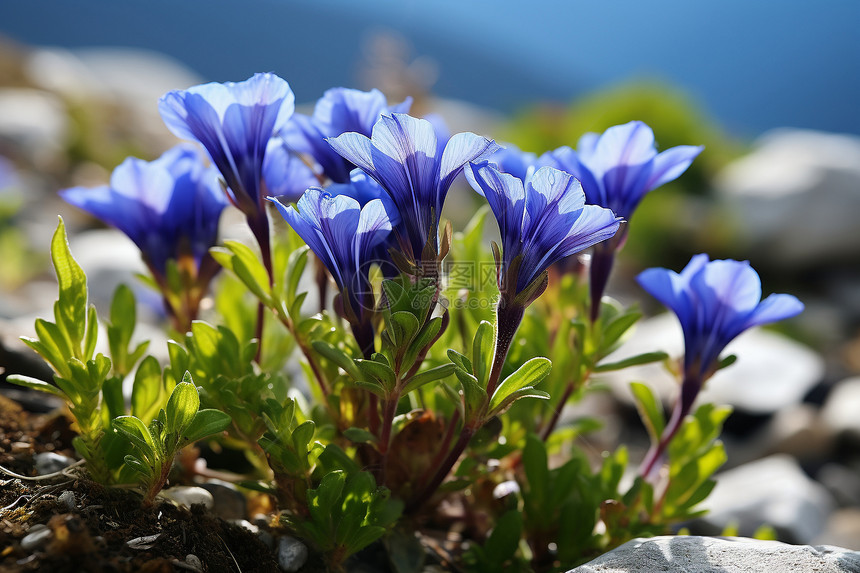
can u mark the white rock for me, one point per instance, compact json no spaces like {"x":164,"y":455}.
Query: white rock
{"x":292,"y":554}
{"x":843,"y":529}
{"x":771,"y":373}
{"x":772,"y":491}
{"x":841,"y":411}
{"x":33,"y":120}
{"x":692,"y":554}
{"x":189,"y":495}
{"x":797,"y":195}
{"x":36,"y":539}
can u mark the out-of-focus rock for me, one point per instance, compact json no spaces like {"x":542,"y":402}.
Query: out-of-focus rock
{"x":772,"y":372}
{"x":843,"y":529}
{"x":772,"y":491}
{"x":842,"y":409}
{"x":797,"y":195}
{"x":693,"y":554}
{"x":34,"y":122}
{"x":842,"y":482}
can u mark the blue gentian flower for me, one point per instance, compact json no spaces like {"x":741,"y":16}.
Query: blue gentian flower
{"x":169,"y":207}
{"x":715,"y":301}
{"x":620,"y":166}
{"x":340,"y":110}
{"x":234,"y":122}
{"x":344,"y":235}
{"x":541,"y":221}
{"x":402,"y":155}
{"x":616,"y":170}
{"x":285,"y":173}
{"x":511,"y":159}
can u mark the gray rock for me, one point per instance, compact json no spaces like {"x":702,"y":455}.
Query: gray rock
{"x":692,"y":554}
{"x":194,"y":563}
{"x":843,"y":529}
{"x":189,"y":495}
{"x":66,"y":500}
{"x":796,"y":196}
{"x":36,"y":539}
{"x":772,"y":491}
{"x":230,"y":504}
{"x":35,"y":122}
{"x":842,"y":482}
{"x":772,"y":372}
{"x":292,"y":554}
{"x":841,"y":411}
{"x":50,"y":462}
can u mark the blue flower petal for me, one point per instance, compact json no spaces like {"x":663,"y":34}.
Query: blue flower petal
{"x":671,"y":164}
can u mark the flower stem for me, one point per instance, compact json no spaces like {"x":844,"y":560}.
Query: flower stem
{"x":260,"y":228}
{"x":602,"y":261}
{"x":654,"y":458}
{"x":508,"y":319}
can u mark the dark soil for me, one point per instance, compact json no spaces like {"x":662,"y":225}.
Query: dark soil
{"x":95,"y":536}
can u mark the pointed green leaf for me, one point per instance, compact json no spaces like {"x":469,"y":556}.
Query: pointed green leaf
{"x":638,"y":360}
{"x":338,"y":357}
{"x":206,"y":423}
{"x":72,"y":304}
{"x":482,"y":352}
{"x":529,"y":374}
{"x":359,"y":436}
{"x":431,"y":375}
{"x":138,"y":433}
{"x":146,"y":391}
{"x":650,"y":410}
{"x":35,"y":384}
{"x":182,"y":406}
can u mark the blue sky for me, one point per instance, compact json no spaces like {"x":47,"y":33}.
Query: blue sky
{"x":753,"y":65}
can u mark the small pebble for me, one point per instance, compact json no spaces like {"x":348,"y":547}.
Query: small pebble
{"x":229,"y":502}
{"x":66,"y":500}
{"x":246,"y":525}
{"x":194,"y":562}
{"x":189,"y":495}
{"x":35,"y":540}
{"x":51,"y":462}
{"x":292,"y":554}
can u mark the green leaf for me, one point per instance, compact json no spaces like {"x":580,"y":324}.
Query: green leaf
{"x":460,"y":361}
{"x":72,"y":304}
{"x":147,"y":388}
{"x":505,"y":538}
{"x":136,"y":431}
{"x":482,"y":352}
{"x":616,"y":329}
{"x":247,"y":266}
{"x":431,"y":375}
{"x":359,"y":436}
{"x":727,"y":361}
{"x":529,"y":374}
{"x":650,"y":410}
{"x":338,"y":357}
{"x":372,"y":370}
{"x":35,"y":384}
{"x":402,"y":327}
{"x":182,"y":406}
{"x":474,"y":395}
{"x":139,"y":466}
{"x":535,"y":464}
{"x":639,"y":359}
{"x":206,"y":423}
